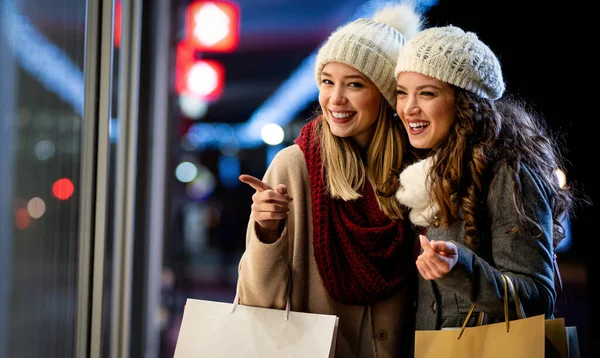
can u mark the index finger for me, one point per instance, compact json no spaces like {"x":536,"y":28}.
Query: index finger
{"x":254,"y":182}
{"x":444,"y":247}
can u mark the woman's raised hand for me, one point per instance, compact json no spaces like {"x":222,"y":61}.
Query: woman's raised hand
{"x":269,"y":207}
{"x":437,"y":258}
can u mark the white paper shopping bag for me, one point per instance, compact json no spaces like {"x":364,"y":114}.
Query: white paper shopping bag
{"x":216,"y":329}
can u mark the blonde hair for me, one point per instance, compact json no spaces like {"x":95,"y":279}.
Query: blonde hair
{"x":346,"y":170}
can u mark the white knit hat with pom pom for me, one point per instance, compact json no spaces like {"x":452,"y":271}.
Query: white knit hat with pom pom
{"x":372,"y":45}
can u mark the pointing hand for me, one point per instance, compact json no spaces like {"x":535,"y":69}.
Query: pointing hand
{"x":269,"y":207}
{"x":437,"y":258}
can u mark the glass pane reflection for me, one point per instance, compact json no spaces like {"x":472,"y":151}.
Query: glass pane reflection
{"x":41,"y":96}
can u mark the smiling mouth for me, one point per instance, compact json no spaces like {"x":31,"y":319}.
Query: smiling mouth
{"x":418,"y":127}
{"x":341,"y":117}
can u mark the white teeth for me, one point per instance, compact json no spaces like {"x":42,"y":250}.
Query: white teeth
{"x":418,"y":125}
{"x":341,"y":115}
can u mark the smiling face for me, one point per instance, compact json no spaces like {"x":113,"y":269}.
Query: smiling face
{"x":350,"y":102}
{"x":427,"y":108}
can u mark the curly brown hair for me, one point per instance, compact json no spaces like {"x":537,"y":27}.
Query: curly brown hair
{"x":484,"y":135}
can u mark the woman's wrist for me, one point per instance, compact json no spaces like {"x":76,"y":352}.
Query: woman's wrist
{"x":267,"y":236}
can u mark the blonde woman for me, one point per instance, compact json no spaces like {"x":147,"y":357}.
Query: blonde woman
{"x":324,"y":223}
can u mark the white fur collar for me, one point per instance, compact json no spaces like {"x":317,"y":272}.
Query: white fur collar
{"x":414,"y":194}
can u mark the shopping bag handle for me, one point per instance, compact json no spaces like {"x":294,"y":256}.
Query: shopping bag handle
{"x":513,"y":293}
{"x":236,"y":301}
{"x":288,"y":293}
{"x":508,"y":286}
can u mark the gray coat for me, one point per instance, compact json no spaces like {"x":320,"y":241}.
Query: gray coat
{"x":476,"y":278}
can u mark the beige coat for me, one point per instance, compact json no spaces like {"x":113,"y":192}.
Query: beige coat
{"x":379,"y":330}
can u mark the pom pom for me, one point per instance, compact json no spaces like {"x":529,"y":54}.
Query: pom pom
{"x":403,"y":17}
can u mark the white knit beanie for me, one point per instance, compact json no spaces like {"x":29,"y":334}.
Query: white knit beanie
{"x":453,"y":56}
{"x":372,"y":45}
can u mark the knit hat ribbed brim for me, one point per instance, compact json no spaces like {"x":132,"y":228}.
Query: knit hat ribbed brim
{"x":454,"y":56}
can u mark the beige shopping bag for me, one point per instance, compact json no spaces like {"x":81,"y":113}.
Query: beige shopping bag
{"x":523,"y":337}
{"x":216,"y":329}
{"x":556,"y":338}
{"x":561,"y":340}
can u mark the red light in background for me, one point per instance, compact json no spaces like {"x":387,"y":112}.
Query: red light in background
{"x":213,"y":26}
{"x":63,"y":189}
{"x":203,"y":79}
{"x":185,"y":60}
{"x":22,"y":219}
{"x":117,"y":27}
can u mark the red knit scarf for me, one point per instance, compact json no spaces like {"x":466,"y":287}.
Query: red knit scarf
{"x":359,"y":251}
